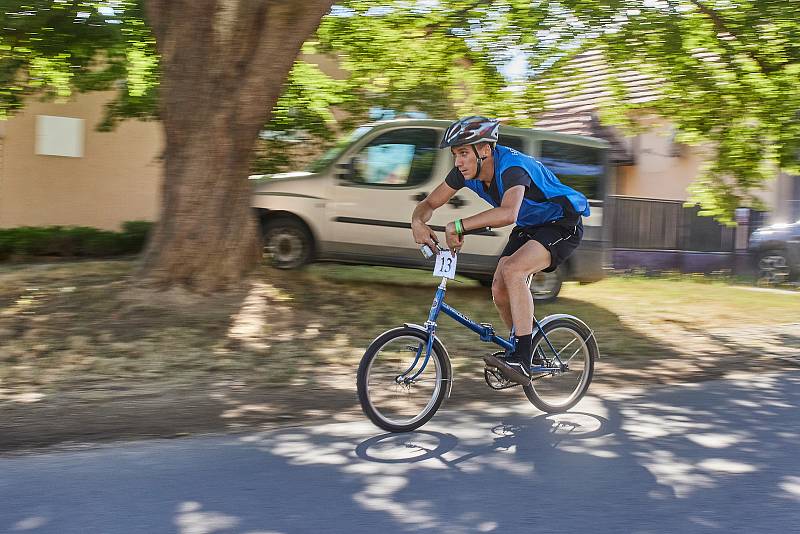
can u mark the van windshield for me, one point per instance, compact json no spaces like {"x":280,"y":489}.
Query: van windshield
{"x":323,"y":161}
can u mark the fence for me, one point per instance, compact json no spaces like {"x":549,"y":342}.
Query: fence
{"x":638,"y":223}
{"x":665,"y":235}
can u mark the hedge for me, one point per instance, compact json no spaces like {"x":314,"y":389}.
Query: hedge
{"x":73,"y":241}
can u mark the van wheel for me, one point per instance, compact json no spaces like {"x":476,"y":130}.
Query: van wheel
{"x":546,"y":286}
{"x":287,"y":243}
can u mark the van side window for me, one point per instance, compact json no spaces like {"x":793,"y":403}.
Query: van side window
{"x":512,"y":141}
{"x":398,"y":158}
{"x":580,"y":167}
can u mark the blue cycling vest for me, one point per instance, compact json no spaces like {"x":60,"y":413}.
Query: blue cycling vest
{"x":561,"y":201}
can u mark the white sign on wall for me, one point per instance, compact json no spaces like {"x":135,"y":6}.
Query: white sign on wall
{"x":59,"y":136}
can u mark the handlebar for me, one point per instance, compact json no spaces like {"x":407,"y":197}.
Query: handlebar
{"x":428,"y":253}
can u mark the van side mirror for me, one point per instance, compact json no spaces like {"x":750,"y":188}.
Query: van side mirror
{"x":346,"y":170}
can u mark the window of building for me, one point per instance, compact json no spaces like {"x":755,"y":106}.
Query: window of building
{"x":59,"y":136}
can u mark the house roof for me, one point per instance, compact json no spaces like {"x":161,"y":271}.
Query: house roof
{"x":572,"y":104}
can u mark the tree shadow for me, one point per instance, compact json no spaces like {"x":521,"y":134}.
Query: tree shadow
{"x":717,"y":457}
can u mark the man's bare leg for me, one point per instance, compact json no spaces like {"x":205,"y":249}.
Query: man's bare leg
{"x":530,"y":258}
{"x":500,"y":294}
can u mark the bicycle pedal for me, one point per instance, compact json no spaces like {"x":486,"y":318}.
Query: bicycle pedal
{"x":497,"y":380}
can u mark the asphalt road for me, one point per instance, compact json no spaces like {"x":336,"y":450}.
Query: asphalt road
{"x":719,"y":456}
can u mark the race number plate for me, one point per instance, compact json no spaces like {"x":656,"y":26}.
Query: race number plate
{"x":445,"y":264}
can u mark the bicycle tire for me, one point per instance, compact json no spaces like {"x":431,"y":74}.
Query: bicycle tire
{"x":537,"y":389}
{"x":367,"y":396}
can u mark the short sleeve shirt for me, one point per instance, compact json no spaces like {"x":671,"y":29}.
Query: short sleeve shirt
{"x":511,"y":177}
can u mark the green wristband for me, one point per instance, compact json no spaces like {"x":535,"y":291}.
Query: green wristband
{"x":459,"y":228}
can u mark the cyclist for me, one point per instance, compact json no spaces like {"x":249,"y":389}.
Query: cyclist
{"x":520,"y":190}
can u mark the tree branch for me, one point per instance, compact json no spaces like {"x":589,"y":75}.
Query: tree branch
{"x":430,"y":28}
{"x":722,"y":27}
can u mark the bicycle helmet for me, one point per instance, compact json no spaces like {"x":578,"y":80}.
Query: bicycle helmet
{"x":470,"y":131}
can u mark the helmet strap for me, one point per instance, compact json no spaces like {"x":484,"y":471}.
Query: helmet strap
{"x":480,"y":161}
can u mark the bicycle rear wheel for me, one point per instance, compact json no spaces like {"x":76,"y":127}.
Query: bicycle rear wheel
{"x":558,"y":391}
{"x":388,"y":392}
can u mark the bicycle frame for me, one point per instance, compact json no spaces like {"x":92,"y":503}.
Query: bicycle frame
{"x":485,"y":331}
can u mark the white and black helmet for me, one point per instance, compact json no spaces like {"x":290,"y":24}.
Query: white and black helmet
{"x":471,"y":130}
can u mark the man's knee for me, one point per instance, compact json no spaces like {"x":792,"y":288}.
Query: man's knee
{"x":499,"y":291}
{"x":515,"y":269}
{"x":521,"y":266}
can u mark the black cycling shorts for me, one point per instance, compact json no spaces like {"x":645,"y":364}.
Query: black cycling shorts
{"x":561,"y":241}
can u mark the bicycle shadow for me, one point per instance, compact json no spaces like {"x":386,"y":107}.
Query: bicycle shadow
{"x":572,"y":425}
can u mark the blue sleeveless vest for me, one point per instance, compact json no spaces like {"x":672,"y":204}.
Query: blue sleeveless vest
{"x":561,"y":201}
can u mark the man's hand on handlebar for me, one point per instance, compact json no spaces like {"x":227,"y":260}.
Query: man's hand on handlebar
{"x":454,"y":241}
{"x":423,"y":235}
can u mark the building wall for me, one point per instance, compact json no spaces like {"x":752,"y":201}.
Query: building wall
{"x":660,"y":171}
{"x":660,"y":174}
{"x":782,"y":195}
{"x":117,"y":179}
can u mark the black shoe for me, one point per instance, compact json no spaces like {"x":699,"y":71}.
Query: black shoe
{"x":514,"y":370}
{"x":494,"y":360}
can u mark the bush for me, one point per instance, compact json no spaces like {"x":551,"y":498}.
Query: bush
{"x":73,"y":241}
{"x":135,"y":235}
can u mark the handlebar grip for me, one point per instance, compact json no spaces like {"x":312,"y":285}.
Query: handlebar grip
{"x":478,"y":231}
{"x":428,"y":253}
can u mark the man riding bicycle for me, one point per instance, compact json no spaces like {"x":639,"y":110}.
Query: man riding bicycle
{"x":520,"y":190}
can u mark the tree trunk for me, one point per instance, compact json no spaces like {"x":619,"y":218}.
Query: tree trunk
{"x":223,"y":64}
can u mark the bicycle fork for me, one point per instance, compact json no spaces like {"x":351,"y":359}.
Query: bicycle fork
{"x":430,"y":327}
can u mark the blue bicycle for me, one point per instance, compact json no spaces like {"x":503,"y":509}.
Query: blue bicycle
{"x":405,"y":374}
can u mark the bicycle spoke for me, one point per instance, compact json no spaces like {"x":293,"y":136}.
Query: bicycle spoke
{"x":566,"y":347}
{"x":561,"y":387}
{"x":402,"y":403}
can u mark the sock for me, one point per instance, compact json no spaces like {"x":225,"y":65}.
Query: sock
{"x":522,"y":349}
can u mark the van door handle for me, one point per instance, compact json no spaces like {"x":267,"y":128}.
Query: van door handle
{"x":419,"y":197}
{"x":457,"y":202}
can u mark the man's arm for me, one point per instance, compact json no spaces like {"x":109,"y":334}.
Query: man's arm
{"x":424,"y":211}
{"x":497,"y":217}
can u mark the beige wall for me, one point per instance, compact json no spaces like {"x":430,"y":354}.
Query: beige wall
{"x":117,"y":179}
{"x":657,"y":173}
{"x":779,"y":196}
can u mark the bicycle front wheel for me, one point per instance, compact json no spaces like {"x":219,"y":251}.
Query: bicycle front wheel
{"x":393,"y":393}
{"x":575,"y":351}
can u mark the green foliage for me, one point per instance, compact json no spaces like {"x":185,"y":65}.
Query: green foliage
{"x":441,"y":58}
{"x":727,"y":73}
{"x":73,"y":241}
{"x":50,"y":48}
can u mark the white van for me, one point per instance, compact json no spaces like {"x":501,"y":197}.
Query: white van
{"x":354,"y":204}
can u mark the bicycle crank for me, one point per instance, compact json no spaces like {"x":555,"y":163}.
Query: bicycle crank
{"x":495,"y":380}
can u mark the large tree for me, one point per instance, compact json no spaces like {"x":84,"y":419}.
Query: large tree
{"x":223,"y":65}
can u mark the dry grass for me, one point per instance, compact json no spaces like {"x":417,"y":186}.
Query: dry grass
{"x":81,"y":325}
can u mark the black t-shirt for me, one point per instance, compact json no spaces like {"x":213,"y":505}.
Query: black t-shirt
{"x":511,"y":177}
